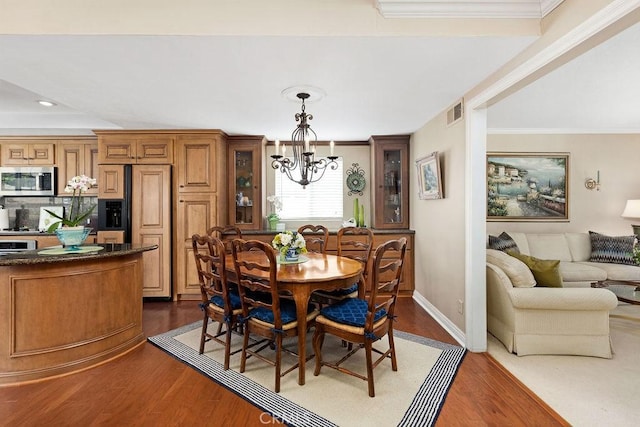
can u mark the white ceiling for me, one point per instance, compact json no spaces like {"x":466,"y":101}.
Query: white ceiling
{"x":375,"y":84}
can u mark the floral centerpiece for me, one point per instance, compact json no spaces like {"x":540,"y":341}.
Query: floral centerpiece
{"x":276,"y":206}
{"x":76,"y":216}
{"x":290,"y":244}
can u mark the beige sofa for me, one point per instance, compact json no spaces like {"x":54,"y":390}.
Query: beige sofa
{"x":573,"y":320}
{"x":574,"y":251}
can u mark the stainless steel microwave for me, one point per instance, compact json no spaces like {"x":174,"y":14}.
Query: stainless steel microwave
{"x":28,"y":181}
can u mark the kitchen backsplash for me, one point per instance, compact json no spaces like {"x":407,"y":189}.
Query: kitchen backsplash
{"x":24,"y":212}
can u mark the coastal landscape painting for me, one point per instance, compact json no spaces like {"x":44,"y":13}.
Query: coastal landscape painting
{"x":527,"y":187}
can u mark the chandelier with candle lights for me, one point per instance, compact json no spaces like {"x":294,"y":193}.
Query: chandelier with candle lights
{"x":303,"y":167}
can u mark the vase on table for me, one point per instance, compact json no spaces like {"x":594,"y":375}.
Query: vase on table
{"x":72,"y":237}
{"x":291,"y":255}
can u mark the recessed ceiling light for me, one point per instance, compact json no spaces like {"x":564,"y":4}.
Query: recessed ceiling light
{"x":46,"y":103}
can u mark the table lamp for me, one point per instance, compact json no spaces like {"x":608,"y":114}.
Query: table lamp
{"x":632,"y":210}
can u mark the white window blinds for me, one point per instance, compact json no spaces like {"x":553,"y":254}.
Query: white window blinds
{"x":319,"y":200}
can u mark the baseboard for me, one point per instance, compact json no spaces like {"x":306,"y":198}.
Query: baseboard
{"x":443,"y":320}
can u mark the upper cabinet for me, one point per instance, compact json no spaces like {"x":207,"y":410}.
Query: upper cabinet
{"x":74,"y":158}
{"x":390,"y":195}
{"x":245,"y":172}
{"x":135,"y":147}
{"x":200,"y":162}
{"x":27,"y":153}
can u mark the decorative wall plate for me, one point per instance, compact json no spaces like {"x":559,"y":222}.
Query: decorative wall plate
{"x":355,"y":180}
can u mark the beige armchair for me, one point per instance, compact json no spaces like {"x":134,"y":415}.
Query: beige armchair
{"x":535,"y":320}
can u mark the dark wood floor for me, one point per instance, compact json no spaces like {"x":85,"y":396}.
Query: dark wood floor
{"x":146,"y":387}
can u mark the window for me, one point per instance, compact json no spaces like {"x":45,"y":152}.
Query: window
{"x":320,"y":200}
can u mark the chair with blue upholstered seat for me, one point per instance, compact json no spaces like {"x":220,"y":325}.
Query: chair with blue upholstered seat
{"x":316,"y":237}
{"x":264,"y":312}
{"x":365,"y":321}
{"x":226,"y":233}
{"x":218,"y":302}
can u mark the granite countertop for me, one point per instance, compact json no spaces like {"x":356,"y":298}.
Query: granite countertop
{"x":109,"y":250}
{"x":34,"y":233}
{"x":375,"y":231}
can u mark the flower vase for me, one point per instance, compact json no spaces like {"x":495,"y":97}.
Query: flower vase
{"x":72,"y":237}
{"x":273,"y":222}
{"x":291,"y":255}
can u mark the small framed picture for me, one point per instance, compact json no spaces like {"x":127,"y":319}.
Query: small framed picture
{"x":429,"y":179}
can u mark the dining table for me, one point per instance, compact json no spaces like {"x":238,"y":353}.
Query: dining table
{"x":312,"y":272}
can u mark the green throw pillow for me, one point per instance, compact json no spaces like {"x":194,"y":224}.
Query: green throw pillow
{"x":545,"y":271}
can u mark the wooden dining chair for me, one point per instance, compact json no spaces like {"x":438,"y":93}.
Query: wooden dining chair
{"x":226,"y":233}
{"x":218,"y":303}
{"x":316,"y":237}
{"x":355,"y":243}
{"x":365,"y":321}
{"x":264,"y":312}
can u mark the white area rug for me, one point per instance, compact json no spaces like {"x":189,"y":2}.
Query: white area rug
{"x":411,"y":396}
{"x":587,"y":391}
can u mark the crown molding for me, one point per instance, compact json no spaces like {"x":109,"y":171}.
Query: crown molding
{"x":514,"y":9}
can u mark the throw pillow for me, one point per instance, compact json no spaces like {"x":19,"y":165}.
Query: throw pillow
{"x":612,"y":249}
{"x":516,"y":270}
{"x":503,"y":242}
{"x":545,"y":271}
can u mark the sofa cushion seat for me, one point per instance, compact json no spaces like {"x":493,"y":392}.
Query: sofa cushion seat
{"x":581,"y":271}
{"x":615,"y":271}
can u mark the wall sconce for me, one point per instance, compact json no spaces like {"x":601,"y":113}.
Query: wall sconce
{"x":591,"y":183}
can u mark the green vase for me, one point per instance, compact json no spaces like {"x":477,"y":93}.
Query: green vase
{"x":273,"y":222}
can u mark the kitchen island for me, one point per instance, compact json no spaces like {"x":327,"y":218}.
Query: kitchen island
{"x":66,"y":311}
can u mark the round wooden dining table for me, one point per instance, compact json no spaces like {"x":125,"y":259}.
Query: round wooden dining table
{"x":315,"y":272}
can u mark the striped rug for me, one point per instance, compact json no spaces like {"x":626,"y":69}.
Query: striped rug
{"x":411,"y":396}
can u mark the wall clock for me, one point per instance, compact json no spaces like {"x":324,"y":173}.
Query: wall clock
{"x":355,"y":180}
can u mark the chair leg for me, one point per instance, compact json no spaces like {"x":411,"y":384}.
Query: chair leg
{"x":204,"y":332}
{"x":278,"y":360}
{"x":392,"y":347}
{"x":318,"y":340}
{"x":227,"y":346}
{"x":368,"y":349}
{"x":245,"y":345}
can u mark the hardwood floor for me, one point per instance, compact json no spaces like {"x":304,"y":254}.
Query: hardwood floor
{"x":147,"y":387}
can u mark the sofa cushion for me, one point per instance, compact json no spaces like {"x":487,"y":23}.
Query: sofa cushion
{"x":579,"y":246}
{"x":612,"y":249}
{"x":519,"y":274}
{"x":549,"y":246}
{"x":503,"y":242}
{"x":581,"y":272}
{"x":545,"y":271}
{"x":616,"y":271}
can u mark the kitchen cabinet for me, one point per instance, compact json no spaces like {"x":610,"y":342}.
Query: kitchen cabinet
{"x":135,"y":147}
{"x":74,"y":158}
{"x":111,"y":182}
{"x":113,"y":237}
{"x":27,"y":153}
{"x":151,"y":225}
{"x":245,"y":174}
{"x":390,"y":192}
{"x":200,"y":194}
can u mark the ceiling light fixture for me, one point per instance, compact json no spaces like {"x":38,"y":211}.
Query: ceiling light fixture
{"x":46,"y":103}
{"x":303,"y":143}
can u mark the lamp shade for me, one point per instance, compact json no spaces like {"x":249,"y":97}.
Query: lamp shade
{"x":632,"y":209}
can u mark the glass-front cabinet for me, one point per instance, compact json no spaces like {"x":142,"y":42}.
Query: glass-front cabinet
{"x":390,"y":197}
{"x":245,"y":167}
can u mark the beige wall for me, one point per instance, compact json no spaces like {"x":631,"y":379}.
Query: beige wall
{"x":615,"y":156}
{"x":439,"y":224}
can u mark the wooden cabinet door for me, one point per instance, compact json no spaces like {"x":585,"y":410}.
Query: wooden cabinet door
{"x":196,"y":160}
{"x":116,"y":149}
{"x":196,"y":213}
{"x":28,"y":153}
{"x":76,"y":158}
{"x":111,"y":181}
{"x":390,"y":195}
{"x":244,"y":181}
{"x":154,"y":149}
{"x":151,"y":225}
{"x":110,"y":237}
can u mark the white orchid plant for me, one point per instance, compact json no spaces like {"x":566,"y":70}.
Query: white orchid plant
{"x":276,"y":206}
{"x":289,"y":240}
{"x":76,"y":185}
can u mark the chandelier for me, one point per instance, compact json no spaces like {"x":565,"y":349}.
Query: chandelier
{"x":302,"y":167}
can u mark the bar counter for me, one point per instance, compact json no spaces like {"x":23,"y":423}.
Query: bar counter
{"x":61,"y":313}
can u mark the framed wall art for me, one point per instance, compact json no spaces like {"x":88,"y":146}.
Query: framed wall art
{"x":429,"y":178}
{"x":527,"y":186}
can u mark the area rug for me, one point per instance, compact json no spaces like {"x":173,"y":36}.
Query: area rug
{"x":586,"y":391}
{"x":411,"y":396}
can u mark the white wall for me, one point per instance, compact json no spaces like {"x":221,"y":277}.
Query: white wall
{"x":615,"y":156}
{"x":439,"y":224}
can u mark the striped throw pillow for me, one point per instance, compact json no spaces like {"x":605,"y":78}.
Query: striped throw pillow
{"x":612,"y":249}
